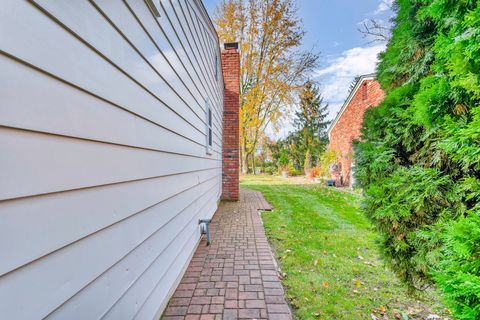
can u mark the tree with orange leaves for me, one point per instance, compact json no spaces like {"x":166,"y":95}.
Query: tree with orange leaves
{"x":273,"y":68}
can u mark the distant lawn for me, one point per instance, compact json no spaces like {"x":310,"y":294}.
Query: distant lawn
{"x":326,"y":248}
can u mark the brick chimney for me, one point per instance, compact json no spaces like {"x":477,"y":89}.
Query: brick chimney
{"x":231,"y":109}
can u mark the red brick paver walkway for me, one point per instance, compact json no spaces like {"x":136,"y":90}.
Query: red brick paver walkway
{"x":235,"y":277}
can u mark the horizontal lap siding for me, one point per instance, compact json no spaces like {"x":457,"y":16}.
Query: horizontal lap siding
{"x":104,"y":172}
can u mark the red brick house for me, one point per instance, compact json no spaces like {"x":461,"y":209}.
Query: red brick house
{"x":348,"y":122}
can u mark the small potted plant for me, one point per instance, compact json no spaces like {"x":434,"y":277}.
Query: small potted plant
{"x":285,"y":170}
{"x":328,"y":164}
{"x":330,"y":182}
{"x":335,"y":173}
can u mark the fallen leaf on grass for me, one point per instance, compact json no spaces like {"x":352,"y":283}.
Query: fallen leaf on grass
{"x":325,"y":284}
{"x":397,"y":315}
{"x":315,"y":262}
{"x":414,"y":311}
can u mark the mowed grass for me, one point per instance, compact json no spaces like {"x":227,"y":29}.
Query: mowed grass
{"x":327,"y":252}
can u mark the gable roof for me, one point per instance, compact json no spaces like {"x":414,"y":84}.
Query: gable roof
{"x":360,"y":80}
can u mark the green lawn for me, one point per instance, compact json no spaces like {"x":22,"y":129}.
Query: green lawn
{"x":326,"y":250}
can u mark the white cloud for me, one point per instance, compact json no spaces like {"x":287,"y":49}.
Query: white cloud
{"x":357,"y":60}
{"x":335,"y":79}
{"x":340,"y":71}
{"x":383,"y":6}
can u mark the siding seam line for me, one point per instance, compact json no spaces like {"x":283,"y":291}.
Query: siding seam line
{"x":206,"y":69}
{"x":183,"y":46}
{"x":207,"y":50}
{"x":15,"y":58}
{"x":161,"y":278}
{"x":208,"y":90}
{"x":95,"y":232}
{"x":126,"y":39}
{"x":104,"y":185}
{"x":91,"y":47}
{"x":67,"y":136}
{"x":207,"y":93}
{"x":130,"y":251}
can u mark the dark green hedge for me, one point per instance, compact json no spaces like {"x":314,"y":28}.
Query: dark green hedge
{"x":419,"y":159}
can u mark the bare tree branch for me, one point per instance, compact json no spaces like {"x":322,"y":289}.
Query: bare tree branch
{"x":376,"y":29}
{"x":379,"y":30}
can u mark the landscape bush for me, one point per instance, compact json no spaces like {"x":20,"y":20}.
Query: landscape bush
{"x":315,"y":172}
{"x":293,"y":171}
{"x":269,"y":168}
{"x":328,"y":159}
{"x":419,"y":157}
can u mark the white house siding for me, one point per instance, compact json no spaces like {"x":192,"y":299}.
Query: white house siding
{"x":103,"y":166}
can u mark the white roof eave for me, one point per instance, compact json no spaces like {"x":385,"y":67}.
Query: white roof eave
{"x":349,"y":99}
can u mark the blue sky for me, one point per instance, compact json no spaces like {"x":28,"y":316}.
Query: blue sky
{"x":331,"y":27}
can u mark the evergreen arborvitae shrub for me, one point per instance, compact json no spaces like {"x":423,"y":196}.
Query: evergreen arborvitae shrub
{"x":419,"y":158}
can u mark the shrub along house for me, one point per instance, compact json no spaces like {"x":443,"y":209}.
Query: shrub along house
{"x":111,"y":117}
{"x":347,"y":125}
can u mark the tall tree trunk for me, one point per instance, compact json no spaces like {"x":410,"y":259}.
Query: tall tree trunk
{"x":254,"y":170}
{"x":241,"y":158}
{"x":244,"y":160}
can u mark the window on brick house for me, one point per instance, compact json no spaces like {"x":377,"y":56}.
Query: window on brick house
{"x":208,"y":121}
